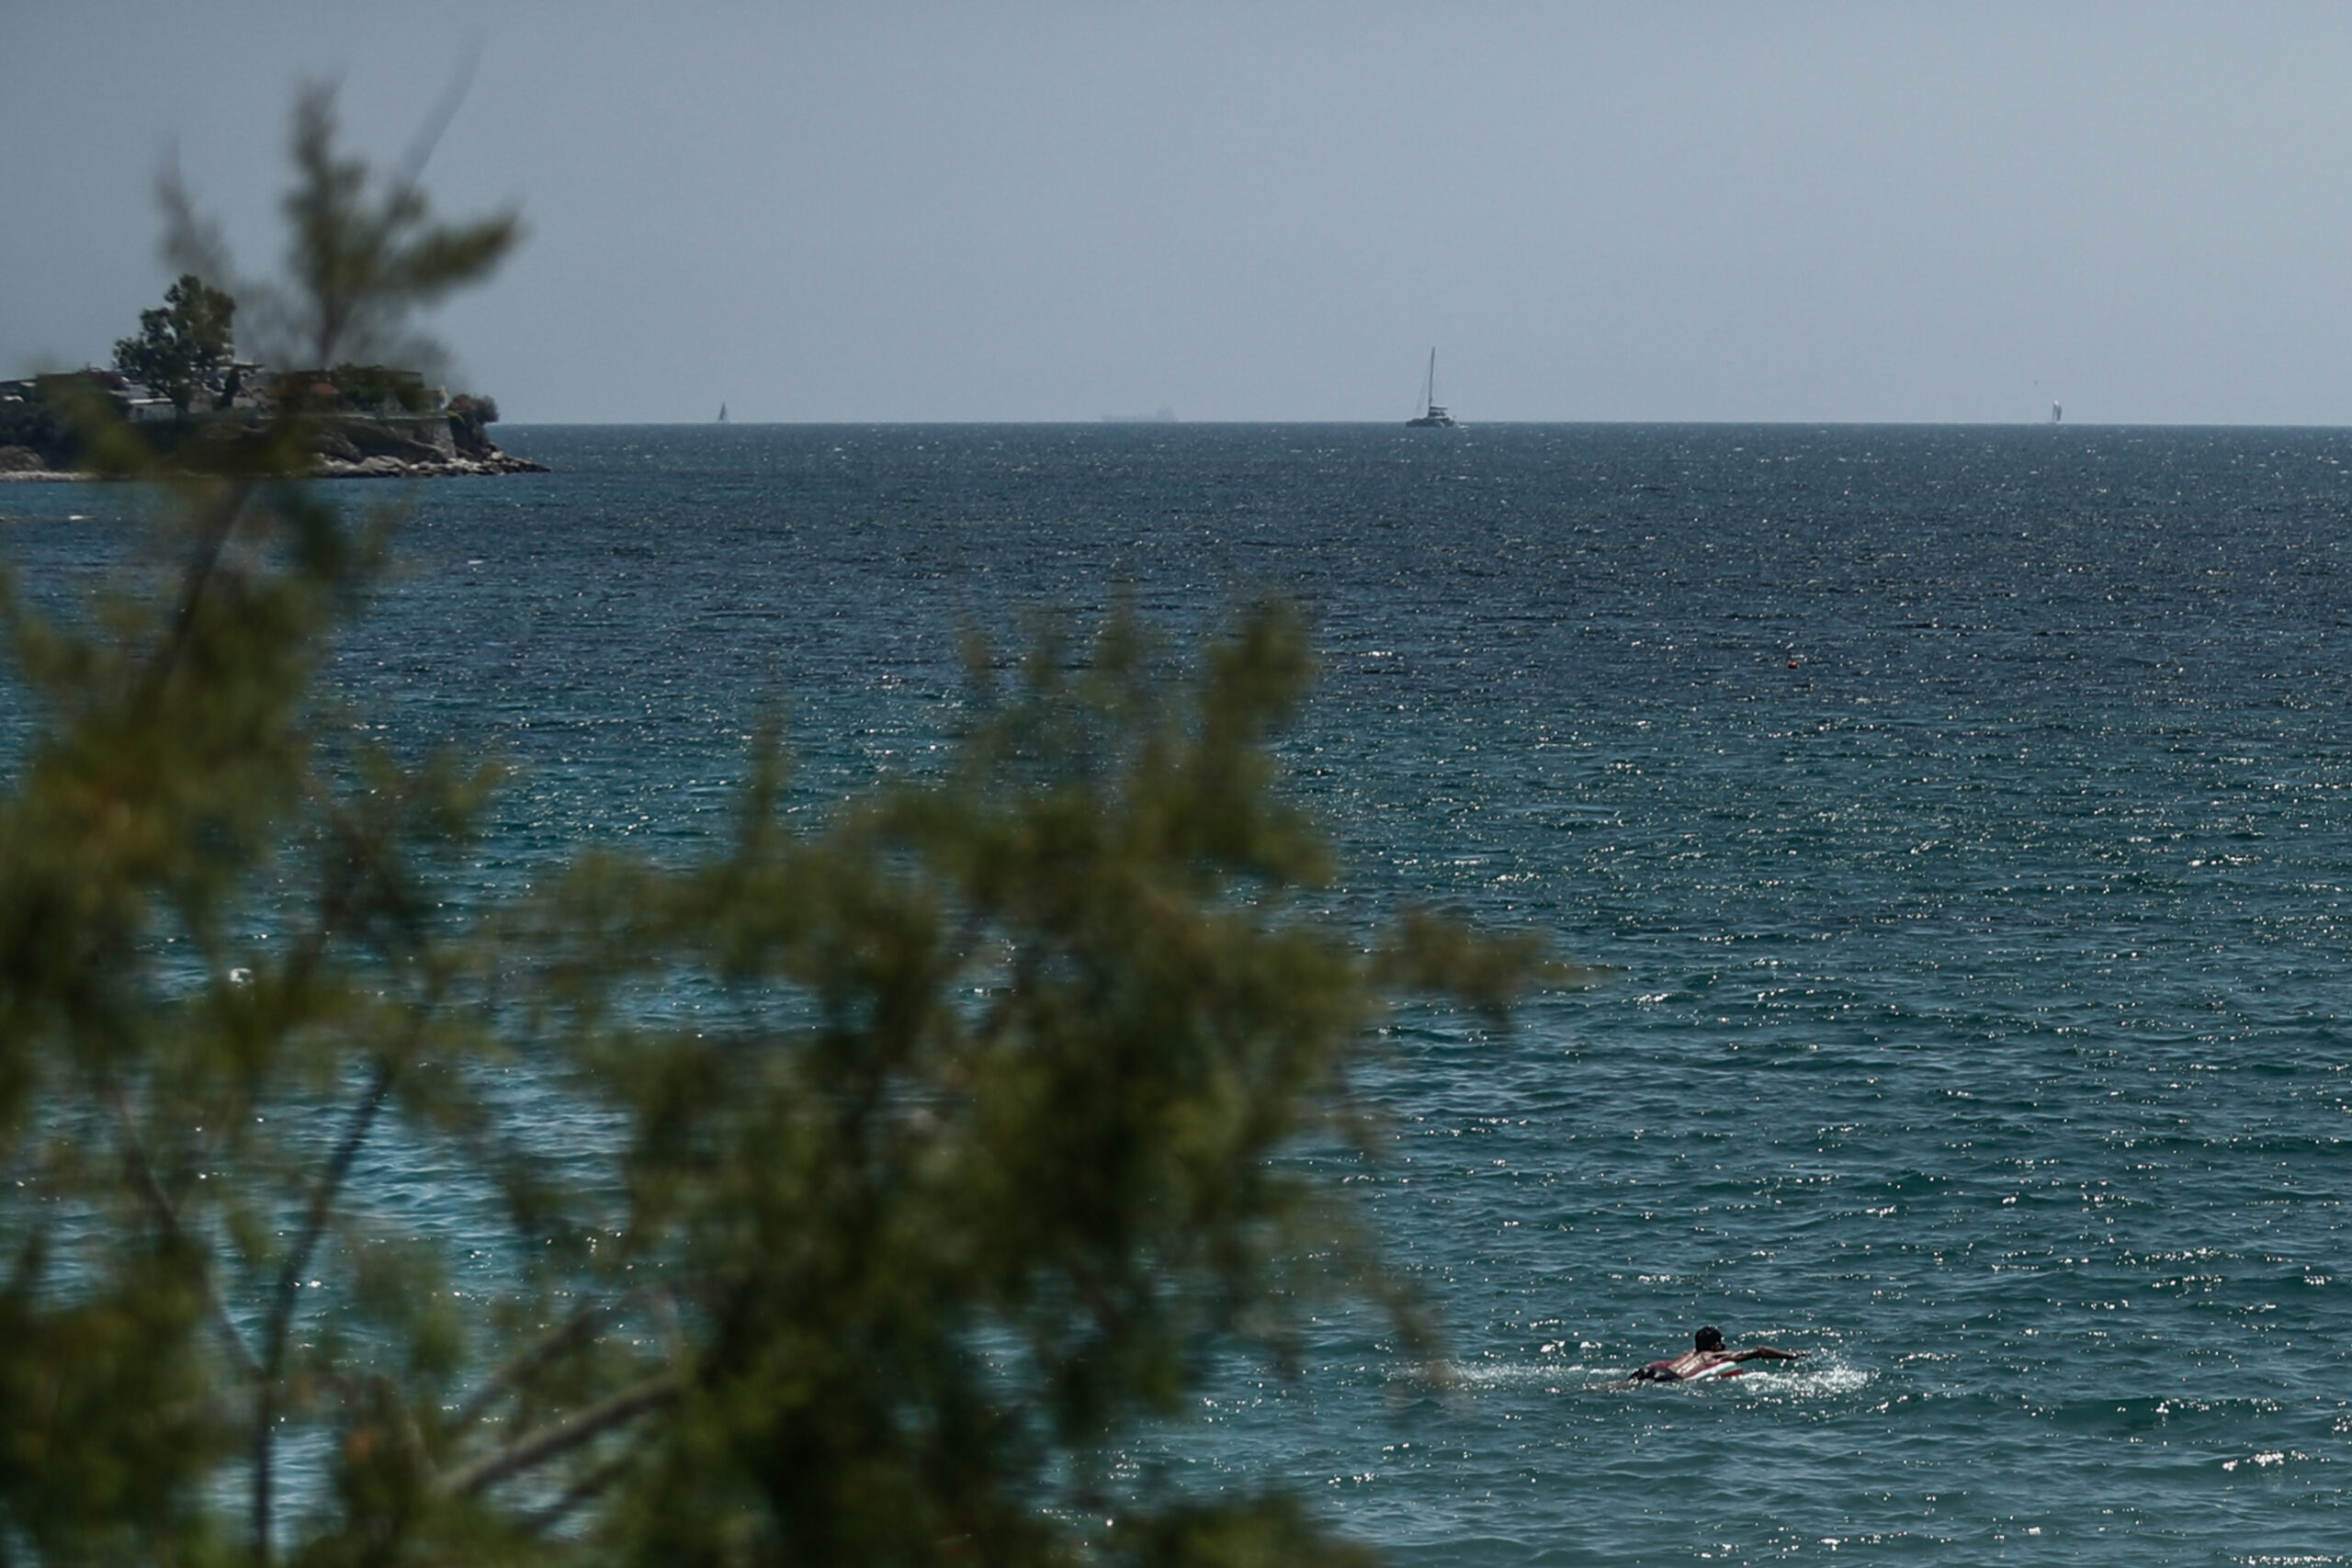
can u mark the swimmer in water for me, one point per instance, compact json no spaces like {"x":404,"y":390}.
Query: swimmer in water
{"x":1706,"y":1354}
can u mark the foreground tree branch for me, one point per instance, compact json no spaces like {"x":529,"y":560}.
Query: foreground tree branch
{"x":972,"y":1169}
{"x":585,"y":1427}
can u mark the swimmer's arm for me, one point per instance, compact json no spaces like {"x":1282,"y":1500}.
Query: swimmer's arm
{"x":1769,"y":1353}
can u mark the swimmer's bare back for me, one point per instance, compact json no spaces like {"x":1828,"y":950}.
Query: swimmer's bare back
{"x":1695,"y":1365}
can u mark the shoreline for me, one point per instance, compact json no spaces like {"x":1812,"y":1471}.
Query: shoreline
{"x":376,"y":467}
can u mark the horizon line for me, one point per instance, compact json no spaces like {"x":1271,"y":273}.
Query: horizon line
{"x":1105,"y":422}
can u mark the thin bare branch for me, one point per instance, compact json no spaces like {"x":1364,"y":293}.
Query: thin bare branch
{"x":587,"y":1489}
{"x":144,"y":1177}
{"x":564,"y":1436}
{"x":289,"y":1284}
{"x":410,"y":167}
{"x":322,"y":1204}
{"x":573,"y":1332}
{"x":211,"y":538}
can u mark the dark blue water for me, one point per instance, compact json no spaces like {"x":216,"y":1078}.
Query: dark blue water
{"x":1966,"y":816}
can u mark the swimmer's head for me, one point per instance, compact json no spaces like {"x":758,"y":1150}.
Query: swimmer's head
{"x":1708,"y":1338}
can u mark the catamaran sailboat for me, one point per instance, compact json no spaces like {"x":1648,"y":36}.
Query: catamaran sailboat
{"x":1433,"y":412}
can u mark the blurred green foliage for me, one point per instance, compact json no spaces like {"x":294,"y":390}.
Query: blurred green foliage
{"x":963,"y":1172}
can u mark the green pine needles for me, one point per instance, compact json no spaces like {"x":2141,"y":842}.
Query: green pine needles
{"x":966,"y":1171}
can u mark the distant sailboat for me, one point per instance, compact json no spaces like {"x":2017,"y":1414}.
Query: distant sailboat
{"x":1433,"y":412}
{"x":2056,"y":414}
{"x":722,"y":413}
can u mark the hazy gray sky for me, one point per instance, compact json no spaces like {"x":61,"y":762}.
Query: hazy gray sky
{"x":1268,"y":211}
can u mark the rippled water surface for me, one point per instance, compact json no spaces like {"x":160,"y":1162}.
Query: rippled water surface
{"x":1965,"y":815}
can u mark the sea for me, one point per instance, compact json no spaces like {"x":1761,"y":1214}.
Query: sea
{"x":1961,"y":820}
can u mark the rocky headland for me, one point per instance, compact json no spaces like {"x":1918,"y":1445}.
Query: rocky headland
{"x":412,"y":446}
{"x":367,"y":424}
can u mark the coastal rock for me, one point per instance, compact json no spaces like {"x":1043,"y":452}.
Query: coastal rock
{"x":385,"y":465}
{"x":434,"y":446}
{"x":381,"y":466}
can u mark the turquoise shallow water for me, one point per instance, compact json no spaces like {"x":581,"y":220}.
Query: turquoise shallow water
{"x":1965,"y":814}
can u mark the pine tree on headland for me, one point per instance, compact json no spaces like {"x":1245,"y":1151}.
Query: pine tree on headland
{"x":180,"y":347}
{"x":954,"y":1189}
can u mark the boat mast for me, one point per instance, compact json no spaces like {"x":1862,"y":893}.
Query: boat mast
{"x":1429,"y":387}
